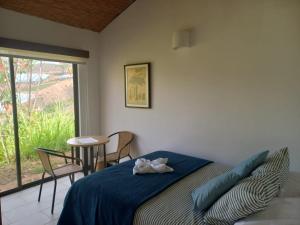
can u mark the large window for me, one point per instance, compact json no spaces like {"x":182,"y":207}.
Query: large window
{"x":37,"y":105}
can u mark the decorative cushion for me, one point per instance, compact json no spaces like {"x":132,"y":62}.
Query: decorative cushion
{"x":251,"y":195}
{"x":205,"y":195}
{"x":245,"y":168}
{"x":279,"y":163}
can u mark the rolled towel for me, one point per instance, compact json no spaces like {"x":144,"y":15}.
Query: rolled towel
{"x":156,"y":166}
{"x":162,"y":168}
{"x":142,"y":162}
{"x":159,"y":161}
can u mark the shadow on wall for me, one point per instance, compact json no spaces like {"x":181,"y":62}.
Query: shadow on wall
{"x":135,"y":147}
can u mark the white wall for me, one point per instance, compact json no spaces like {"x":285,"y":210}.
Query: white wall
{"x":28,"y":28}
{"x":234,"y":92}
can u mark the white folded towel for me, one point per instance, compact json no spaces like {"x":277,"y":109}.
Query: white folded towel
{"x":155,"y":166}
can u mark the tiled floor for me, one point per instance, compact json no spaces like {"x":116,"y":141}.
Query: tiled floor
{"x":22,"y":208}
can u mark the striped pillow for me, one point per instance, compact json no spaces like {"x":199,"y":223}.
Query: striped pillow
{"x":251,"y":195}
{"x":278,"y":162}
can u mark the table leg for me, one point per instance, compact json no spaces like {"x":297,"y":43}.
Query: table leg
{"x":77,"y":153}
{"x":72,"y":154}
{"x":104,"y":155}
{"x":85,"y":161}
{"x":92,"y":159}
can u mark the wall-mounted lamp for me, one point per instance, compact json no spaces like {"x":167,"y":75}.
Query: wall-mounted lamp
{"x":181,"y":38}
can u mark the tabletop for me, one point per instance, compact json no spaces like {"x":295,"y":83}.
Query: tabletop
{"x":87,"y":141}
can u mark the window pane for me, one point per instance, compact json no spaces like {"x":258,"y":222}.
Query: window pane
{"x":45,"y":111}
{"x":8,"y":175}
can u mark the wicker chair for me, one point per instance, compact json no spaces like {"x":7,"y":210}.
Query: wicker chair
{"x":125,"y":139}
{"x":69,"y":169}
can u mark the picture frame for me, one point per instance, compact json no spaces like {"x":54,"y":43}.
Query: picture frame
{"x":137,"y":85}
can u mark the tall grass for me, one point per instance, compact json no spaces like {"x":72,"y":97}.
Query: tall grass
{"x":48,"y":129}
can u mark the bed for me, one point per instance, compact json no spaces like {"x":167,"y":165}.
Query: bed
{"x":170,"y":204}
{"x":114,"y":196}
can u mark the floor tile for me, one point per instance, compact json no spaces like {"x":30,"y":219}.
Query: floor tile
{"x":33,"y":219}
{"x":5,"y":220}
{"x":47,"y":192}
{"x":52,"y":222}
{"x":8,"y":204}
{"x":22,"y":212}
{"x":23,"y":208}
{"x":57,"y":210}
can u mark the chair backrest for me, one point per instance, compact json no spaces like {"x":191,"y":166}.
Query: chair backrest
{"x":44,"y":157}
{"x":124,"y":141}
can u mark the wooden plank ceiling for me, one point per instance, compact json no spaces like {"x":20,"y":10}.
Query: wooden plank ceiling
{"x":88,"y":14}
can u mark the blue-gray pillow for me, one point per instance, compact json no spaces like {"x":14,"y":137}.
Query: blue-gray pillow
{"x":245,"y":168}
{"x":205,"y":195}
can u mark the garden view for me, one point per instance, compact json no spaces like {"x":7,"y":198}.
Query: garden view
{"x":45,"y":113}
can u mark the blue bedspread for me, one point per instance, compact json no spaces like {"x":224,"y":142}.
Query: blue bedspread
{"x":111,"y":197}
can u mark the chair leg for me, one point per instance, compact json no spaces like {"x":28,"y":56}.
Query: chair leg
{"x":53,"y":198}
{"x":129,"y":156}
{"x":41,"y":187}
{"x":71,"y":176}
{"x":97,"y":155}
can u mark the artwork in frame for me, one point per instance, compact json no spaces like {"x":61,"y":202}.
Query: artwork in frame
{"x":137,"y":85}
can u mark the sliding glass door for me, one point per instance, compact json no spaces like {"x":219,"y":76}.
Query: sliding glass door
{"x":44,"y":96}
{"x":8,"y":172}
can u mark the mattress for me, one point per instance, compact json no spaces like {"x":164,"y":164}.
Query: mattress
{"x":281,"y":211}
{"x":175,"y":205}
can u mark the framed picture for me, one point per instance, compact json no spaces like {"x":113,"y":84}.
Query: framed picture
{"x":137,"y":85}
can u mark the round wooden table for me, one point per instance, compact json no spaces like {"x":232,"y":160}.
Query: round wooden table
{"x":87,"y":143}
